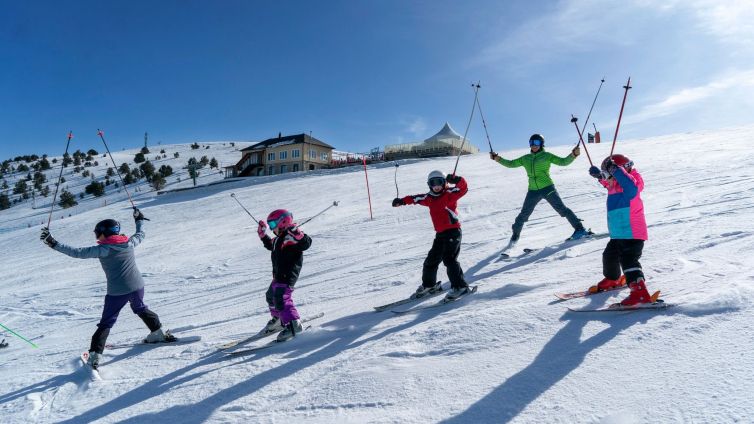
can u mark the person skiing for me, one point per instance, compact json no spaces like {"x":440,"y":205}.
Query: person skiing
{"x":627,"y":227}
{"x":115,"y":252}
{"x":537,"y":164}
{"x":442,"y":203}
{"x":287,"y":256}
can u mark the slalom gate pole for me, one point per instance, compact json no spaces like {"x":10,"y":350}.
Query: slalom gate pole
{"x":484,"y":123}
{"x":57,"y":186}
{"x":19,"y":336}
{"x":369,"y":195}
{"x":233,"y":195}
{"x":620,"y":115}
{"x":473,"y":106}
{"x":101,"y":135}
{"x":581,"y":139}
{"x":335,"y":203}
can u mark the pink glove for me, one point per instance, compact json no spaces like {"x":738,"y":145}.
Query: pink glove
{"x":296,"y":233}
{"x":262,"y":229}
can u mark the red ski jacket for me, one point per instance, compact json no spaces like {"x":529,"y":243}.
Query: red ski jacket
{"x":442,"y":206}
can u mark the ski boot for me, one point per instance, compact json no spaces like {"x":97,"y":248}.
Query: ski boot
{"x":638,"y":295}
{"x":456,"y":292}
{"x":158,"y":336}
{"x":580,"y":234}
{"x":94,"y":359}
{"x":608,"y":284}
{"x":273,"y":326}
{"x":291,"y":330}
{"x":423,"y":291}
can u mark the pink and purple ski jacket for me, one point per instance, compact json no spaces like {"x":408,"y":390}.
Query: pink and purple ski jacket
{"x":625,"y":210}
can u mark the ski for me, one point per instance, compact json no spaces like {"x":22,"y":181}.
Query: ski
{"x":262,"y":334}
{"x":445,"y":301}
{"x":617,"y":307}
{"x":585,"y":293}
{"x":527,"y":251}
{"x":268,"y":345}
{"x":407,"y":300}
{"x":142,"y":343}
{"x":93,"y":372}
{"x":589,"y":236}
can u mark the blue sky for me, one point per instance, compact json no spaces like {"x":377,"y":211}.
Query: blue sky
{"x":362,"y":74}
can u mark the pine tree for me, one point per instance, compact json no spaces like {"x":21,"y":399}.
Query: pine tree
{"x":67,"y":199}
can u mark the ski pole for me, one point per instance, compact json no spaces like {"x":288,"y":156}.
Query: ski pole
{"x":581,"y":139}
{"x":101,"y":135}
{"x":335,"y":203}
{"x":57,"y":186}
{"x":484,"y":123}
{"x":369,"y":195}
{"x":620,"y":115}
{"x":586,"y":122}
{"x":19,"y":336}
{"x":395,"y":177}
{"x":233,"y":195}
{"x":463,"y":142}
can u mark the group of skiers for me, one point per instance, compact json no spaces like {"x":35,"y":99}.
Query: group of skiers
{"x":625,"y":214}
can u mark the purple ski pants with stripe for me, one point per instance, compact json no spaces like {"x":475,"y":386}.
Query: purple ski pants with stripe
{"x":281,"y":303}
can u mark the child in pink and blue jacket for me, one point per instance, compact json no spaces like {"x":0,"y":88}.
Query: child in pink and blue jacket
{"x":627,"y":227}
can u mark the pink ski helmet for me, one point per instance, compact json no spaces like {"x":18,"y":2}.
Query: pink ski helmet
{"x":280,"y":218}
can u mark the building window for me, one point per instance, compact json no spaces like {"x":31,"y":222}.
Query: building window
{"x":295,"y":165}
{"x":311,"y":167}
{"x":271,"y":156}
{"x":295,"y":153}
{"x":283,"y":169}
{"x":324,"y":156}
{"x":271,"y":170}
{"x":284,"y":155}
{"x":312,"y":154}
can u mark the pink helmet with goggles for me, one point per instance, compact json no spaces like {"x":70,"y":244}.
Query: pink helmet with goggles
{"x":280,"y":218}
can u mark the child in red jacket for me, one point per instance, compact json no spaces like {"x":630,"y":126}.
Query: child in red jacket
{"x":441,"y":201}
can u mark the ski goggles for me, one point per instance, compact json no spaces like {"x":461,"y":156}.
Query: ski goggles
{"x":274,"y":222}
{"x":436,"y":182}
{"x":537,"y":143}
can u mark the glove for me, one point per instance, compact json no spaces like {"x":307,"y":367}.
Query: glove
{"x":493,"y":156}
{"x":611,"y":168}
{"x":595,"y":172}
{"x":262,"y":229}
{"x":576,"y":151}
{"x":138,"y":216}
{"x":453,"y":179}
{"x":398,"y":202}
{"x":47,"y":238}
{"x":296,"y":233}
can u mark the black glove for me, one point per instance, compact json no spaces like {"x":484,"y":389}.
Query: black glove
{"x":493,"y":156}
{"x":453,"y":179}
{"x":595,"y":172}
{"x":138,"y":216}
{"x":398,"y":202}
{"x":47,"y":238}
{"x":611,"y":168}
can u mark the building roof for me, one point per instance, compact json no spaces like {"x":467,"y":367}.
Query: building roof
{"x":288,"y":139}
{"x":445,"y":133}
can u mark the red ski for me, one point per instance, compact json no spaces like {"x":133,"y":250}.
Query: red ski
{"x":585,"y":293}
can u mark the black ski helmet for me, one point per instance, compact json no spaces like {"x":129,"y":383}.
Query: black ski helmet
{"x":108,"y":227}
{"x":537,"y":137}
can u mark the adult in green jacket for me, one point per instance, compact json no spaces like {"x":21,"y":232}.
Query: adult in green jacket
{"x":537,"y":165}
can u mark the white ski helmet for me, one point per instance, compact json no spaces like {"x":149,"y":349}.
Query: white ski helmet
{"x":435,"y":178}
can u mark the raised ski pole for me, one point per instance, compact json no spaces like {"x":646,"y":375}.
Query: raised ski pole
{"x":463,"y":142}
{"x":395,"y":177}
{"x":101,"y":135}
{"x":57,"y":186}
{"x":484,"y":122}
{"x":335,"y":203}
{"x":369,"y":195}
{"x":581,"y":139}
{"x":625,"y":94}
{"x":233,"y":195}
{"x":19,"y":336}
{"x":586,"y":122}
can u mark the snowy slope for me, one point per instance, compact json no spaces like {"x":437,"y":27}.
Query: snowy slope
{"x":508,"y":354}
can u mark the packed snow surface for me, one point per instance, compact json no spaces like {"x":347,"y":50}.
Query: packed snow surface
{"x":509,"y":353}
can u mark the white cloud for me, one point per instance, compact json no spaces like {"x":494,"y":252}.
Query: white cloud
{"x":724,"y":88}
{"x":417,"y":127}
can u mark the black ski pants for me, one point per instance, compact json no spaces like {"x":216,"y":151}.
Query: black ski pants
{"x":625,"y":254}
{"x":445,"y":249}
{"x":533,"y":197}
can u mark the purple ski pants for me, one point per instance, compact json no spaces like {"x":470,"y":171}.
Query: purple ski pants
{"x":281,"y":303}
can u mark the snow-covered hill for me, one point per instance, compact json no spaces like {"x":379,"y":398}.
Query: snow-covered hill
{"x":509,"y":353}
